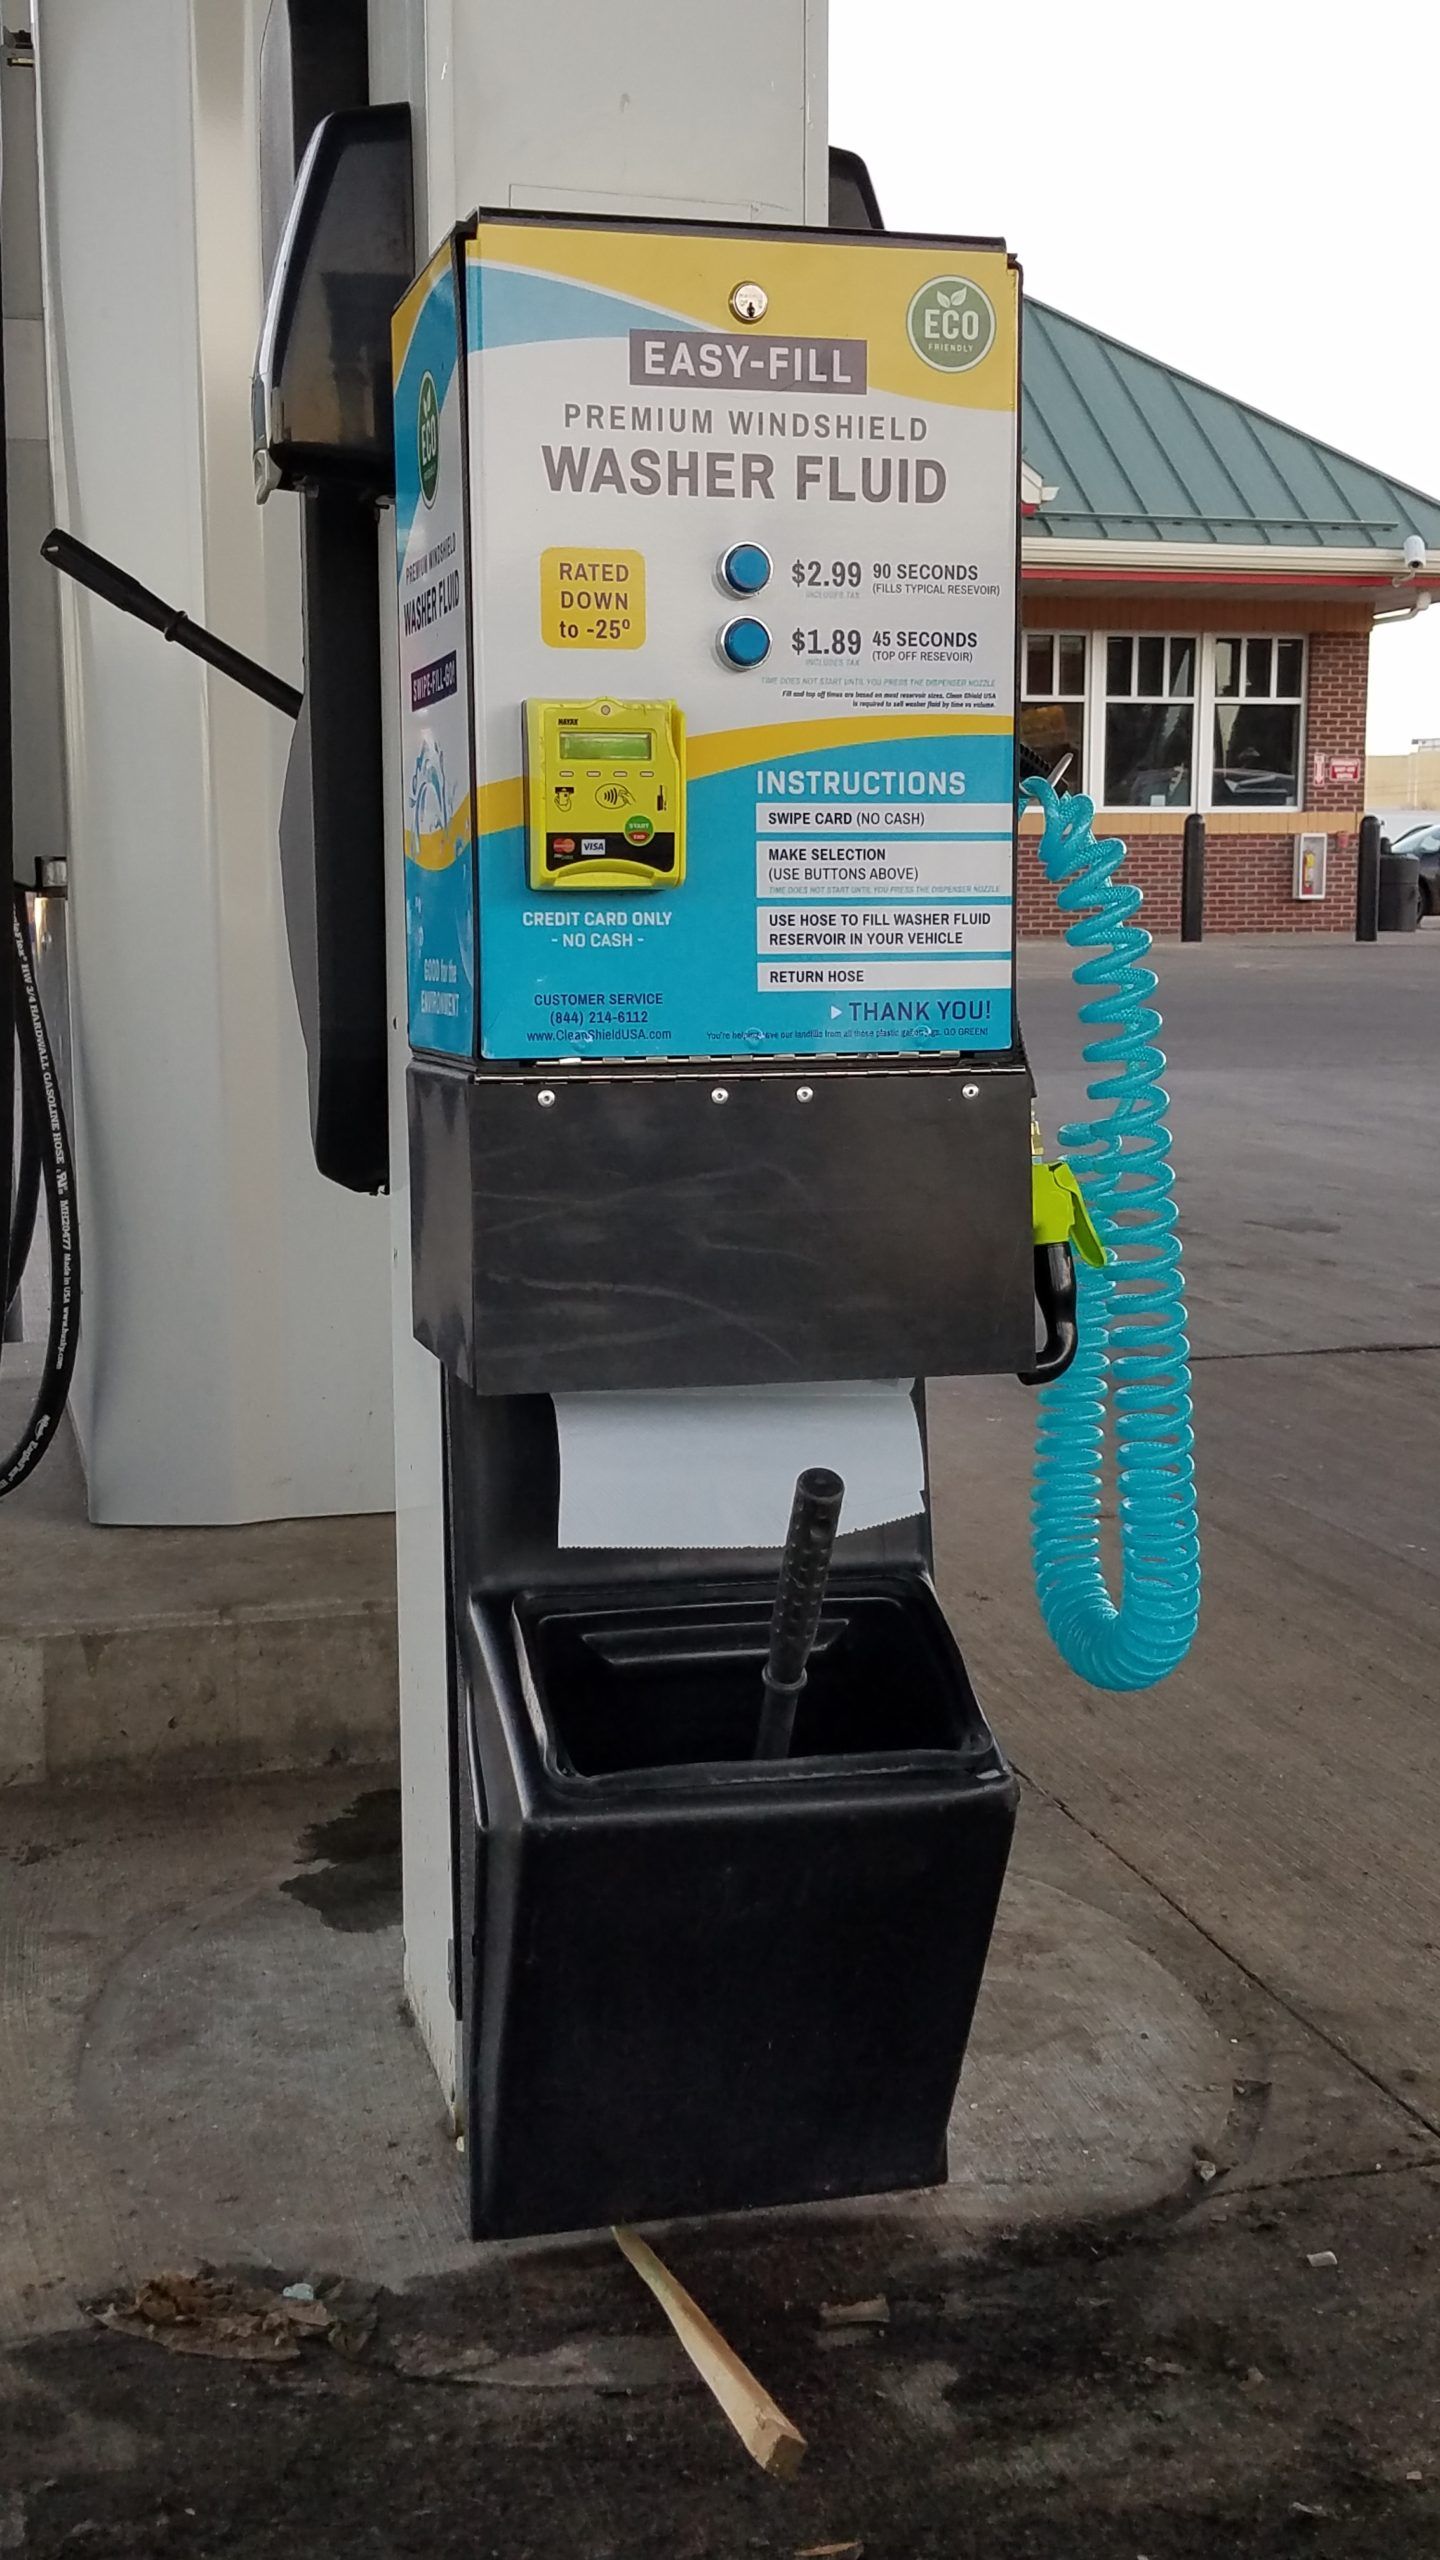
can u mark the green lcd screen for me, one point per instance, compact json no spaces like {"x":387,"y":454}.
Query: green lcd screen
{"x":632,"y":746}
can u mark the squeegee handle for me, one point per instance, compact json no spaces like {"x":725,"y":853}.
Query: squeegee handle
{"x":795,"y":1619}
{"x":105,"y":578}
{"x":804,"y":1573}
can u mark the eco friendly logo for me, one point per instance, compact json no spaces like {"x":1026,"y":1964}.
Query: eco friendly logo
{"x":427,"y":439}
{"x":951,"y":324}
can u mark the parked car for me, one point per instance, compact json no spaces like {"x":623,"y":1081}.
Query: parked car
{"x":1251,"y":786}
{"x":1423,"y":840}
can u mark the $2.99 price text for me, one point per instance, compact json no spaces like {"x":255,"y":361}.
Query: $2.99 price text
{"x":851,"y":573}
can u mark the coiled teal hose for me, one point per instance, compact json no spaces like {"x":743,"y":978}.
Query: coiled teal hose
{"x":1133,"y":1348}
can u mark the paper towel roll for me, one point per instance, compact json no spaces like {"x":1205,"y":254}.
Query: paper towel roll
{"x":718,"y":1469}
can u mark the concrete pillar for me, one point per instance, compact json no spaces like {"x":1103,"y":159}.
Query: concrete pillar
{"x":684,"y":110}
{"x":235,"y":1348}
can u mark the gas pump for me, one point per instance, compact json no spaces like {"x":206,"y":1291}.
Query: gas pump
{"x":32,"y":1110}
{"x":35,"y":1159}
{"x":718,"y":1110}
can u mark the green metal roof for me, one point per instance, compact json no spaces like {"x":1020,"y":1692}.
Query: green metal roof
{"x":1136,"y":451}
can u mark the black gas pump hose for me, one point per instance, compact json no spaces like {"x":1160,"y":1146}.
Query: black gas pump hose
{"x":47,"y":1141}
{"x":25,"y":1211}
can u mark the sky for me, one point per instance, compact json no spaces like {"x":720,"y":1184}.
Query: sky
{"x":1250,"y":193}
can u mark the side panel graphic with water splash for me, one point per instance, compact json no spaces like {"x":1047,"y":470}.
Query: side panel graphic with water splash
{"x":434,"y":667}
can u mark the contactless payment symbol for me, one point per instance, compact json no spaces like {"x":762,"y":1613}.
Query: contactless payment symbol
{"x":951,"y":324}
{"x":427,"y":439}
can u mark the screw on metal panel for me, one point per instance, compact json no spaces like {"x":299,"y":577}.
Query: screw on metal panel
{"x":804,"y":1093}
{"x":969,"y":1091}
{"x":720,"y":1093}
{"x":545,"y":1099}
{"x":749,"y":301}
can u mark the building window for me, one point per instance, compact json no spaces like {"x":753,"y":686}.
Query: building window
{"x":1052,"y":707}
{"x":1259,"y":697}
{"x":1159,"y":720}
{"x":1149,"y":721}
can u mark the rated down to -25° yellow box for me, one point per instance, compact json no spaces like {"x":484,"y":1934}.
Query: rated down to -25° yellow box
{"x":592,"y":599}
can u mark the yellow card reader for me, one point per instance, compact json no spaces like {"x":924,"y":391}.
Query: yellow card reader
{"x":605,"y":794}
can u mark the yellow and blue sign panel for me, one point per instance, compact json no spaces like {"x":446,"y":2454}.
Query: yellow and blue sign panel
{"x":765,"y":485}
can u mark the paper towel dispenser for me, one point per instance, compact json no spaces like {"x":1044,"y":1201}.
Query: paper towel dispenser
{"x":314,"y":60}
{"x":323,"y":427}
{"x":320,"y":400}
{"x":854,"y":205}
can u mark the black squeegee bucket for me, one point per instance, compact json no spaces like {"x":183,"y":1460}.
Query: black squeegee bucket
{"x":708,"y":1980}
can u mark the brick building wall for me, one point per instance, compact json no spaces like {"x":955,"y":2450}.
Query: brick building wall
{"x":1335,"y":712}
{"x":1249,"y":856}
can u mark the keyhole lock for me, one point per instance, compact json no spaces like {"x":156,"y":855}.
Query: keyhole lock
{"x":749,"y":301}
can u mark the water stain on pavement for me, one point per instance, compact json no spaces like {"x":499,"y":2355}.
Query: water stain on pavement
{"x":352,"y":1877}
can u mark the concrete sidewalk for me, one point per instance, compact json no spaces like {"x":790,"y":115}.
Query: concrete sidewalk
{"x":1104,"y":2329}
{"x":192,"y":1971}
{"x":150,"y":1650}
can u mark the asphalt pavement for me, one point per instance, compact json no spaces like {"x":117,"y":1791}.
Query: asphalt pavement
{"x":1304,"y":1077}
{"x":1283,"y":1788}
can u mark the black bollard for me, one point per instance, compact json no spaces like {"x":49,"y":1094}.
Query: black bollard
{"x":1192,"y":879}
{"x":1367,"y":882}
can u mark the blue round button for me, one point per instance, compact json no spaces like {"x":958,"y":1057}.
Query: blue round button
{"x":746,"y":569}
{"x":745,"y":643}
